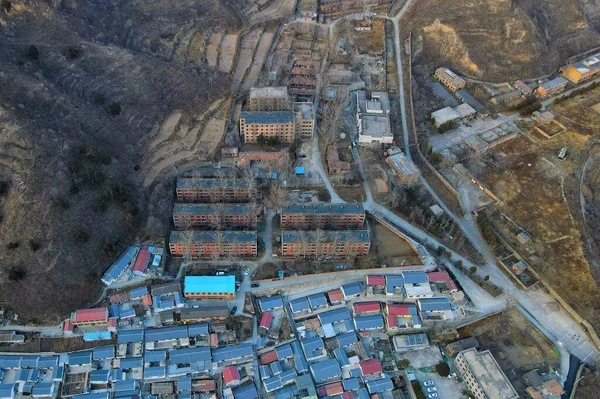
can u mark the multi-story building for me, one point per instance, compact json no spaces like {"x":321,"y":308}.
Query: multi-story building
{"x":215,"y":244}
{"x":305,"y":69}
{"x":269,"y":125}
{"x":403,"y":167}
{"x":269,"y":99}
{"x":214,"y":190}
{"x":302,"y":86}
{"x":209,"y":287}
{"x":483,"y":376}
{"x":307,"y":9}
{"x":323,"y":216}
{"x":582,"y":70}
{"x":449,"y":79}
{"x":325,"y":244}
{"x":372,"y":118}
{"x":551,"y":87}
{"x":214,"y":216}
{"x":304,"y":120}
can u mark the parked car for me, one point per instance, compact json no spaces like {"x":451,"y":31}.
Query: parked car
{"x":247,"y":272}
{"x":432,"y":395}
{"x":233,"y":310}
{"x":254,"y":285}
{"x":432,"y":389}
{"x":429,"y":383}
{"x":452,"y":375}
{"x":237,"y":286}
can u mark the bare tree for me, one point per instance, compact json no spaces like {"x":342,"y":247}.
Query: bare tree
{"x":188,"y":240}
{"x":276,"y":197}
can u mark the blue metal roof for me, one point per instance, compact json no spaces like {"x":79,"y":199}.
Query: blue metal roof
{"x":29,"y":361}
{"x":245,"y":392}
{"x":382,"y":385}
{"x":130,"y":394}
{"x":10,"y":361}
{"x":132,"y":363}
{"x":270,"y":302}
{"x":96,"y":335}
{"x":353,"y":288}
{"x":94,"y":395}
{"x":341,"y":357}
{"x":57,"y":373}
{"x":346,"y":339}
{"x":46,"y":362}
{"x":125,"y":385}
{"x":184,"y":395}
{"x":195,"y":330}
{"x":209,"y":284}
{"x":166,"y":333}
{"x":267,"y":118}
{"x":43,"y":389}
{"x":155,"y":356}
{"x":130,"y":336}
{"x":415,"y":277}
{"x":317,"y":300}
{"x":232,"y":352}
{"x":190,"y":355}
{"x":284,"y":351}
{"x":325,"y":370}
{"x":313,"y":344}
{"x":299,"y":360}
{"x":334,"y":316}
{"x":99,"y":376}
{"x":103,"y":352}
{"x":155,"y":372}
{"x":276,"y":368}
{"x":79,"y":358}
{"x":299,"y":305}
{"x":138,"y":293}
{"x":126,"y":312}
{"x":371,"y":322}
{"x":7,"y":390}
{"x":265,"y":372}
{"x":434,"y":304}
{"x":351,"y":384}
{"x":363,"y":394}
{"x":184,"y":384}
{"x":119,"y":266}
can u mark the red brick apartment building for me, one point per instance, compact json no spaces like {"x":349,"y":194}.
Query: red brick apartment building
{"x":214,"y":216}
{"x":325,"y":244}
{"x":270,"y":125}
{"x":214,"y":190}
{"x":217,"y":244}
{"x":302,"y":86}
{"x":323,"y":216}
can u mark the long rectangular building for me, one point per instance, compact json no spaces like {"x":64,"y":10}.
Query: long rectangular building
{"x":325,"y":244}
{"x":214,"y":216}
{"x":216,"y":244}
{"x":583,"y":70}
{"x":209,"y":287}
{"x":268,"y":125}
{"x":323,"y":216}
{"x":483,"y":376}
{"x":214,"y":190}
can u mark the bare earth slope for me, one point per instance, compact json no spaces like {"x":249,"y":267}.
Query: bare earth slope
{"x":501,"y":40}
{"x":83,"y":89}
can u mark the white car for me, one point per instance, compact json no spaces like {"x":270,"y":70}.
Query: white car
{"x":432,"y":389}
{"x":247,"y":272}
{"x":432,"y":395}
{"x":429,"y":383}
{"x":452,"y":375}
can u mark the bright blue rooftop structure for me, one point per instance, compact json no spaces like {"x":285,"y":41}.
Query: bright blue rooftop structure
{"x":300,"y":170}
{"x":209,"y":284}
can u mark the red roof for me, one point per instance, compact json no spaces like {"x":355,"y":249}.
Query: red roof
{"x":371,"y":366}
{"x":268,"y":357}
{"x":392,"y":321}
{"x":89,"y":315}
{"x":435,"y":277}
{"x":68,"y":326}
{"x":214,"y":340}
{"x":265,"y":320}
{"x":112,"y":322}
{"x":451,"y":285}
{"x":397,"y":309}
{"x":147,"y":300}
{"x":230,"y":374}
{"x":204,"y":385}
{"x":335,"y":296}
{"x":365,"y":307}
{"x":141,"y":263}
{"x":375,"y":280}
{"x":347,"y":395}
{"x":335,"y":388}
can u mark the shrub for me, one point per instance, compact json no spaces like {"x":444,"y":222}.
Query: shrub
{"x":403,"y":363}
{"x":12,"y":245}
{"x":459,"y":263}
{"x":261,"y":139}
{"x":34,"y":245}
{"x":114,"y":108}
{"x":33,"y":52}
{"x":487,"y":277}
{"x":4,"y":187}
{"x":98,"y":98}
{"x":81,"y":236}
{"x":5,"y":5}
{"x":473,"y":269}
{"x":443,"y":369}
{"x":73,"y":53}
{"x":16,"y":274}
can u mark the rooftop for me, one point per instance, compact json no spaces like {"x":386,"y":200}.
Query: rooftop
{"x":209,"y":284}
{"x":194,"y":182}
{"x":375,"y":126}
{"x":325,"y":209}
{"x":401,"y":162}
{"x":305,"y":109}
{"x":554,"y":83}
{"x":356,"y":236}
{"x":488,"y":373}
{"x":267,"y":118}
{"x":269,"y":92}
{"x":209,"y":209}
{"x":444,"y":115}
{"x":242,"y":237}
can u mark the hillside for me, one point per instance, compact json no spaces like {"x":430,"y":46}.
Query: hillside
{"x":84,"y":86}
{"x":501,"y":40}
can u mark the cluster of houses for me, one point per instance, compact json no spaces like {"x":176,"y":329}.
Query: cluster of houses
{"x":214,"y":218}
{"x":324,"y":231}
{"x":137,"y":261}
